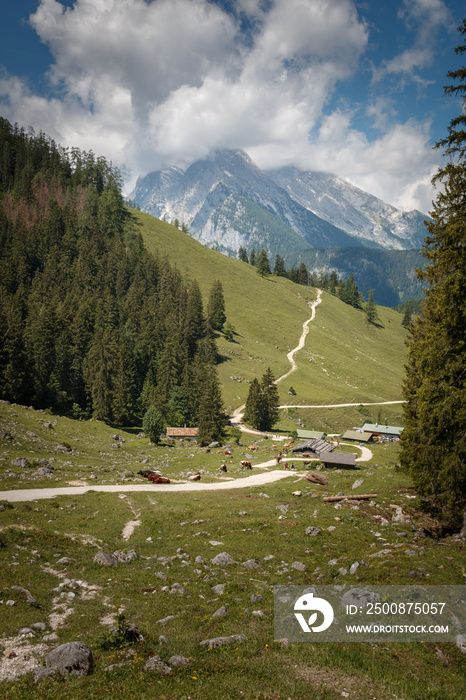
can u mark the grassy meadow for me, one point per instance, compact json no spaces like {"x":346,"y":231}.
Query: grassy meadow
{"x":79,"y":599}
{"x":344,"y":360}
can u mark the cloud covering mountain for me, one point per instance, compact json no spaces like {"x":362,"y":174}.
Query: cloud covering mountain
{"x":228,"y":201}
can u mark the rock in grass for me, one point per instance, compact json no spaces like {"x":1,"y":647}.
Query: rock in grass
{"x":41,"y":674}
{"x":298,"y":566}
{"x":164,"y":620}
{"x":155,"y":663}
{"x":460,"y":641}
{"x":27,"y":594}
{"x":179,"y":661}
{"x":115,"y":667}
{"x":221,"y":641}
{"x":74,"y":658}
{"x":251,"y":564}
{"x":105,"y":559}
{"x":312,"y":531}
{"x":223,"y":559}
{"x":219,"y":589}
{"x":221,"y":612}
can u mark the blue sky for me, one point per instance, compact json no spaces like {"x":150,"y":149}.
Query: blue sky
{"x":353,"y":88}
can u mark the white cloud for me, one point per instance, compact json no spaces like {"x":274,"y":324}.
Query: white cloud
{"x":147,"y":83}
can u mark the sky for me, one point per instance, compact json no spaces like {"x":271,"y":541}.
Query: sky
{"x":341,"y":86}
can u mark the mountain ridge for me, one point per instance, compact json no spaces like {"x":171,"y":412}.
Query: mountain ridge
{"x":324,"y":209}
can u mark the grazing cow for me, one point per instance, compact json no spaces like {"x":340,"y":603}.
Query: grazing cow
{"x":252,"y":447}
{"x":195,"y":477}
{"x":223,"y":468}
{"x":246,"y":465}
{"x":228,"y":452}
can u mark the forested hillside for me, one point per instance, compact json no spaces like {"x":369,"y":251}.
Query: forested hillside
{"x":91,"y":323}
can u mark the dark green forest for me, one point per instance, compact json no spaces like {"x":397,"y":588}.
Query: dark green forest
{"x":91,"y":325}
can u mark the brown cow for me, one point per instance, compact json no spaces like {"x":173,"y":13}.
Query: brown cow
{"x":246,"y":465}
{"x":158,"y":479}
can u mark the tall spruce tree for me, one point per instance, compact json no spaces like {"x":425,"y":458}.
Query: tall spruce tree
{"x":254,"y":410}
{"x":434,"y":437}
{"x":371,"y":308}
{"x":262,"y":404}
{"x":271,"y":400}
{"x":262,"y":264}
{"x":216,"y":307}
{"x":212,"y":419}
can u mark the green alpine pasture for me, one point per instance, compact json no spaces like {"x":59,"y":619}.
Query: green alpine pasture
{"x":345,"y":359}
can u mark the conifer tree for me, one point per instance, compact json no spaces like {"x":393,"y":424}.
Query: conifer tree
{"x":434,"y":438}
{"x":262,"y":404}
{"x":407,"y":317}
{"x":243,"y":255}
{"x":216,"y":307}
{"x":371,"y":309}
{"x":271,"y":400}
{"x":254,"y":410}
{"x":262,"y":264}
{"x":252,"y":257}
{"x":211,"y":423}
{"x":279,"y":266}
{"x":303,"y":274}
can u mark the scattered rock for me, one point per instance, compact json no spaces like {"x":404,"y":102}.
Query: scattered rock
{"x":114,"y":667}
{"x":219,"y":589}
{"x":251,"y":564}
{"x":179,"y":661}
{"x":105,"y":559}
{"x":66,"y":561}
{"x":20,"y":462}
{"x":155,"y":663}
{"x":312,"y":531}
{"x":41,"y":673}
{"x":221,"y":641}
{"x":357,"y":483}
{"x":221,"y":612}
{"x":298,"y":566}
{"x":125,"y":557}
{"x":40,"y":626}
{"x":74,"y":658}
{"x":460,"y":641}
{"x":259,"y":613}
{"x":223,"y":559}
{"x":164,"y":620}
{"x":399,"y":516}
{"x":256,"y":598}
{"x":354,"y":567}
{"x":282,"y":508}
{"x":297,"y":493}
{"x":29,"y":597}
